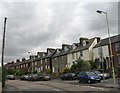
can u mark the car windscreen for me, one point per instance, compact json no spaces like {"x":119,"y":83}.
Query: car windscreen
{"x":97,"y":72}
{"x":90,"y":73}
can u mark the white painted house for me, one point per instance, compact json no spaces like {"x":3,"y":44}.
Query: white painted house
{"x":82,"y":50}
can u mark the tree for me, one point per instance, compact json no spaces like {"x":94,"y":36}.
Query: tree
{"x":80,"y":65}
{"x":94,"y":64}
{"x":10,"y":71}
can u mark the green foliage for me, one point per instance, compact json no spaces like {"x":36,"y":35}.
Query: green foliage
{"x":80,"y":65}
{"x":20,"y":72}
{"x":35,"y":71}
{"x":94,"y":64}
{"x":66,"y":70}
{"x":10,"y":71}
{"x":48,"y":71}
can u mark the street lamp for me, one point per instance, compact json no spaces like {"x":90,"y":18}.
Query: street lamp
{"x":113,"y":71}
{"x":31,"y":65}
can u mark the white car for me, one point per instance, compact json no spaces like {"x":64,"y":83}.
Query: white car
{"x":105,"y":75}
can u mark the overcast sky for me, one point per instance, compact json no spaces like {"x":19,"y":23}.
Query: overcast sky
{"x":36,"y":26}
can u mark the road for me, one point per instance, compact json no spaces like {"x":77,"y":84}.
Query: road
{"x":17,"y":85}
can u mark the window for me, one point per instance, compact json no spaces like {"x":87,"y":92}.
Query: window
{"x":73,"y":56}
{"x":35,"y":63}
{"x":45,"y":60}
{"x":46,"y":66}
{"x":117,"y":47}
{"x":41,"y":68}
{"x":26,"y":65}
{"x":41,"y":61}
{"x":81,"y":53}
{"x":119,"y":59}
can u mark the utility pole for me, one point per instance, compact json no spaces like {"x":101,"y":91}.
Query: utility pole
{"x":2,"y":60}
{"x":3,"y":42}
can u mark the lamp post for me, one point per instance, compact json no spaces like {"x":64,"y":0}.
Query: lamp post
{"x":113,"y":71}
{"x":31,"y":65}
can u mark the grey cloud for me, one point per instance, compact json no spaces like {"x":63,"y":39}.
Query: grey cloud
{"x":32,"y":26}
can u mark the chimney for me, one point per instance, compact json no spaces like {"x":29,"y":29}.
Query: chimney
{"x":36,"y":56}
{"x":82,"y":39}
{"x":17,"y":60}
{"x":65,"y":47}
{"x":58,"y":50}
{"x":41,"y":54}
{"x":98,"y":39}
{"x":49,"y":50}
{"x":23,"y":59}
{"x":31,"y":57}
{"x":12,"y":62}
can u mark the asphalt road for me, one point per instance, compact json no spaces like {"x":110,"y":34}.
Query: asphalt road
{"x":54,"y":85}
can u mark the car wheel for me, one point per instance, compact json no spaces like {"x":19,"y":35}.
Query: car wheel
{"x":79,"y":81}
{"x":89,"y":81}
{"x":99,"y":81}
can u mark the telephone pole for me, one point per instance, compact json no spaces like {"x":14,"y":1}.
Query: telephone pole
{"x":3,"y":42}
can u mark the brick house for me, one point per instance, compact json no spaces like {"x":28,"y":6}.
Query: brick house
{"x":59,"y":60}
{"x":102,"y":52}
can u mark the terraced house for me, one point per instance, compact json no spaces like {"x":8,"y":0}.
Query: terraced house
{"x":86,"y":49}
{"x":82,"y":50}
{"x":102,"y":52}
{"x":45,"y":61}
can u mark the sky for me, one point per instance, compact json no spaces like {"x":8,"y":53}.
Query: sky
{"x":37,"y":25}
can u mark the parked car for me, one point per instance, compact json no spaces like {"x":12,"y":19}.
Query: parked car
{"x":10,"y":77}
{"x":44,"y":77}
{"x":88,"y":77}
{"x":69,"y":76}
{"x":33,"y":77}
{"x":24,"y":77}
{"x":105,"y":75}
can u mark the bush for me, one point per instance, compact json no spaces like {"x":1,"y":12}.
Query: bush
{"x":48,"y":71}
{"x":80,"y":65}
{"x":10,"y":71}
{"x":65,"y":70}
{"x":20,"y":72}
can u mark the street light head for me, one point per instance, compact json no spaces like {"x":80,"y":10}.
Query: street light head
{"x":98,"y":11}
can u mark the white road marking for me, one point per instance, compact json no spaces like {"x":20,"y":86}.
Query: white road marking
{"x":94,"y":87}
{"x":56,"y":89}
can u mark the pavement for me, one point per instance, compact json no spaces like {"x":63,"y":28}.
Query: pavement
{"x":108,"y":83}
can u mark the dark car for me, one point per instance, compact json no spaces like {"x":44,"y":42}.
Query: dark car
{"x":24,"y":77}
{"x":10,"y":77}
{"x":102,"y":75}
{"x":33,"y":77}
{"x":89,"y":77}
{"x":44,"y":77}
{"x":69,"y":76}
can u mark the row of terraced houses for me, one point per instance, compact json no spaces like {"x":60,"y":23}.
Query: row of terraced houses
{"x":86,"y":49}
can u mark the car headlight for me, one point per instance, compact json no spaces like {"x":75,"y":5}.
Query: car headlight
{"x":92,"y":77}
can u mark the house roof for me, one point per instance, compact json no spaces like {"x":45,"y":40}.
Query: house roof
{"x":49,"y":55}
{"x":105,"y":41}
{"x":89,"y":42}
{"x":56,"y":53}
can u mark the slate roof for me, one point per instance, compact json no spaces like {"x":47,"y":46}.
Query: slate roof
{"x":81,"y":47}
{"x":56,"y":54}
{"x":105,"y":41}
{"x":49,"y":55}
